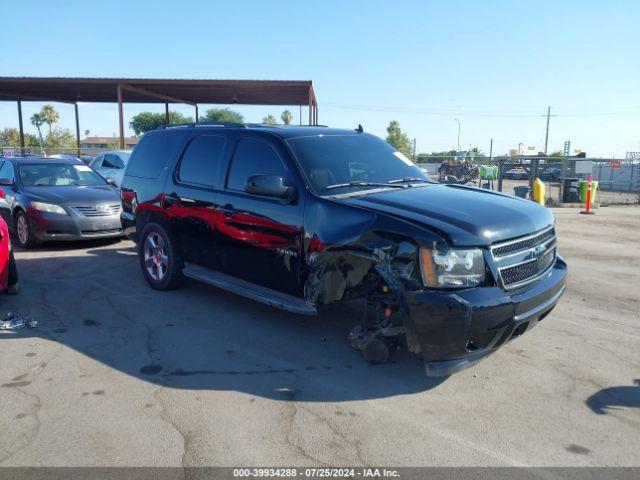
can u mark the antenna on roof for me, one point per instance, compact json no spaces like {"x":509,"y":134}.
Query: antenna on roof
{"x":359,"y":129}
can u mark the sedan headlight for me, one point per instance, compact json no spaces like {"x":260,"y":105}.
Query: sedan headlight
{"x":453,"y":268}
{"x":49,"y":208}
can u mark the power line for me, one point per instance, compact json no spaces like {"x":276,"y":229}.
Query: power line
{"x":435,"y":112}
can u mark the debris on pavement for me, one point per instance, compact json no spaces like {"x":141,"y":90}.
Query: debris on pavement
{"x":14,"y":321}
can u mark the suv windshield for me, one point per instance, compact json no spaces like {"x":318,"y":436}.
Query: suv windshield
{"x":337,"y":164}
{"x":58,"y":174}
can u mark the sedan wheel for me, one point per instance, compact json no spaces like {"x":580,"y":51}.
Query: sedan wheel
{"x":25,"y":238}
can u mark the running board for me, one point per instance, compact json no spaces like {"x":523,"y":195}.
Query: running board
{"x":249,"y":290}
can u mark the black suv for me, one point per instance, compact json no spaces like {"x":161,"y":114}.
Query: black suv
{"x":298,"y":217}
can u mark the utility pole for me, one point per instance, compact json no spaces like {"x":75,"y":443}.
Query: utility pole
{"x":546,"y":136}
{"x":414,"y":150}
{"x":458,"y":136}
{"x":491,"y":150}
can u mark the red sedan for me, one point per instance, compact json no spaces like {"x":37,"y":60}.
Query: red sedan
{"x":8,"y":270}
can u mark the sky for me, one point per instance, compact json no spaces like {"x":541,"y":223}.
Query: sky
{"x":494,"y":65}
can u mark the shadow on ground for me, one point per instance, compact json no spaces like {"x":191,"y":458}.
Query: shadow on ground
{"x":614,"y":398}
{"x":199,"y":337}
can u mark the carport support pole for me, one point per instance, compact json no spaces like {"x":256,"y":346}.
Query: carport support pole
{"x":196,"y":105}
{"x":120,"y":117}
{"x":75,"y":105}
{"x":166,"y":114}
{"x":21,"y":128}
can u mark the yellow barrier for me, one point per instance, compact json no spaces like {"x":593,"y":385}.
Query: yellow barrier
{"x":538,"y":191}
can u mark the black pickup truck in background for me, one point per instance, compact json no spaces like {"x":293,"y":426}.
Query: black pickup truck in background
{"x":299,"y":217}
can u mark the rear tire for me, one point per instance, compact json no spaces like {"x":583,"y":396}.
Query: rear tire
{"x":160,"y":258}
{"x":24,"y":234}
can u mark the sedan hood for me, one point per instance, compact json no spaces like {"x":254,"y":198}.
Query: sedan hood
{"x":467,"y":216}
{"x":70,"y":195}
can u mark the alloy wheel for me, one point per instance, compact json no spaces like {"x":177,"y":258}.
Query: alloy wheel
{"x":156,"y":260}
{"x":22,"y":229}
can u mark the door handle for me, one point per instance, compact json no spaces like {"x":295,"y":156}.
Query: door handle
{"x":227,"y":210}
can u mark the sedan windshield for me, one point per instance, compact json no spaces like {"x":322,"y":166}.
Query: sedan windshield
{"x":59,"y":174}
{"x":337,"y":164}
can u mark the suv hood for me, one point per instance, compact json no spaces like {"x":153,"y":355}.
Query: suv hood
{"x":468,"y":216}
{"x":66,"y":195}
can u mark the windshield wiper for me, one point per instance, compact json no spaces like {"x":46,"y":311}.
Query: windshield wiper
{"x":409,"y":179}
{"x":363,"y":184}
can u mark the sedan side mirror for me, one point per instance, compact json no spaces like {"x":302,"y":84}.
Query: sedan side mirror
{"x":269,"y":186}
{"x":5,"y":182}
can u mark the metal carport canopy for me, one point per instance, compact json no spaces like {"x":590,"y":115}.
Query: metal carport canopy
{"x":138,"y":90}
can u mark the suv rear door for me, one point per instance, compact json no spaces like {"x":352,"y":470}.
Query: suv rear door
{"x":260,"y":238}
{"x":190,"y":197}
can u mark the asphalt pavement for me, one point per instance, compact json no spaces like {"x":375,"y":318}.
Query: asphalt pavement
{"x":116,"y":374}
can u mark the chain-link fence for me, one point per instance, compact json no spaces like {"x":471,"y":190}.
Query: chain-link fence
{"x":618,"y":179}
{"x":85,"y":154}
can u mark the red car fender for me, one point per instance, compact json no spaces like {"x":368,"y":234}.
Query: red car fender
{"x":5,"y":245}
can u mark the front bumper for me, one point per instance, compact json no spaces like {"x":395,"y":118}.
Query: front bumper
{"x":456,"y":329}
{"x":49,"y":226}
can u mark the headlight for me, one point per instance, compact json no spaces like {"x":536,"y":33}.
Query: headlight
{"x":49,"y":208}
{"x":452,"y":268}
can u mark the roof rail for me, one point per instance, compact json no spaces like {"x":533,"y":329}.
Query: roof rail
{"x":203,"y":124}
{"x":276,"y":125}
{"x":232,"y":125}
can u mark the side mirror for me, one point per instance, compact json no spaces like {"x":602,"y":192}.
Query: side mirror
{"x":5,"y":182}
{"x":269,"y":186}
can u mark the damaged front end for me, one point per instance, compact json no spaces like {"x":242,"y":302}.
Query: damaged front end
{"x":380,"y":258}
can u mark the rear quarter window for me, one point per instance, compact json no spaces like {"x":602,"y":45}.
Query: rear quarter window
{"x":153,"y":152}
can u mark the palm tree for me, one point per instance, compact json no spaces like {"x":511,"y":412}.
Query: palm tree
{"x":270,"y":119}
{"x":49,"y":115}
{"x":286,"y":117}
{"x":38,"y":121}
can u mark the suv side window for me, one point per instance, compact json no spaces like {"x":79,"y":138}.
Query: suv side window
{"x":7,"y":171}
{"x":200,"y":161}
{"x":253,"y":157}
{"x":152,"y":153}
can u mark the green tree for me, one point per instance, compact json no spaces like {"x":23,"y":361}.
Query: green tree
{"x":50,"y":116}
{"x":270,"y":119}
{"x":221,"y":115}
{"x":400,"y":141}
{"x":286,"y":117}
{"x":557,"y":153}
{"x":146,"y":121}
{"x":38,"y":121}
{"x":10,"y":137}
{"x":60,"y":138}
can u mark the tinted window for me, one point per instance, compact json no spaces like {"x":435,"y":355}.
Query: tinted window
{"x":253,"y":157}
{"x":7,"y":171}
{"x":152,"y":153}
{"x":200,"y":162}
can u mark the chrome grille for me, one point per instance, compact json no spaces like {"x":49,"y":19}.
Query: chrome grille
{"x":98,"y":210}
{"x":519,"y":245}
{"x":523,"y":260}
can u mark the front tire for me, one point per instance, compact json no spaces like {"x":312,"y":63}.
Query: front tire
{"x":12,"y":282}
{"x":160,"y":258}
{"x":24,"y":234}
